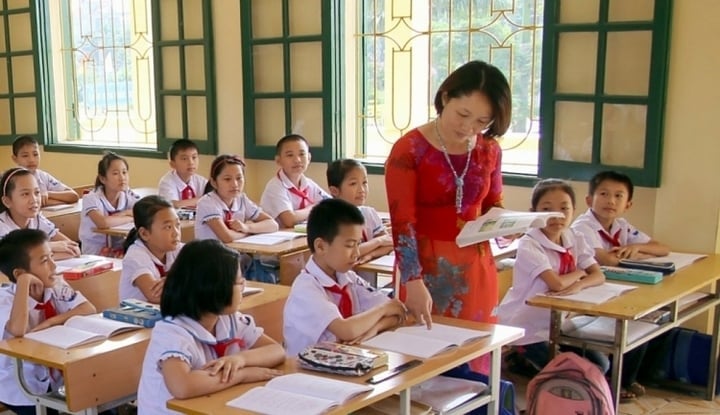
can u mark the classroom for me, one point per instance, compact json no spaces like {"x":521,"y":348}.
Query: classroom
{"x":681,"y":207}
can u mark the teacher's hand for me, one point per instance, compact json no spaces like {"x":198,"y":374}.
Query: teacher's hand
{"x":418,"y":301}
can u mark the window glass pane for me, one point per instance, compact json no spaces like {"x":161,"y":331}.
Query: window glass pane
{"x":266,"y":18}
{"x":307,"y":119}
{"x":269,"y":121}
{"x":197,"y":118}
{"x":635,"y":10}
{"x":173,"y":117}
{"x":20,"y":32}
{"x":194,"y":68}
{"x":623,"y":135}
{"x":627,"y":65}
{"x":169,"y":20}
{"x":18,"y":4}
{"x":306,"y":66}
{"x":573,"y":131}
{"x":305,"y":17}
{"x":3,"y":76}
{"x":25,"y":116}
{"x":192,"y":19}
{"x":171,"y":67}
{"x":577,"y":62}
{"x":268,"y":68}
{"x":5,"y":116}
{"x":579,"y":11}
{"x":2,"y":33}
{"x":23,"y":74}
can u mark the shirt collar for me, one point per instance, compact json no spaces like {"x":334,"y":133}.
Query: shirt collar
{"x":179,"y":181}
{"x":140,"y":244}
{"x":595,"y":224}
{"x":233,"y":206}
{"x":225,"y":328}
{"x":288,"y":183}
{"x":540,"y":237}
{"x":312,"y":268}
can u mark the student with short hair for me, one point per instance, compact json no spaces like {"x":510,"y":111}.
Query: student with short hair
{"x":612,"y":236}
{"x":203,"y":344}
{"x":150,"y":249}
{"x":26,"y":154}
{"x":328,"y":301}
{"x":289,"y":195}
{"x":35,"y":299}
{"x":182,"y":185}
{"x":110,"y":204}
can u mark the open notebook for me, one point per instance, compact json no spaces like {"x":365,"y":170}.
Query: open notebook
{"x":298,"y":394}
{"x":421,"y":342}
{"x":599,"y":293}
{"x":79,"y":330}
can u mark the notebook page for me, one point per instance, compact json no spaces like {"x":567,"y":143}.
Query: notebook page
{"x":63,"y":336}
{"x":450,"y":334}
{"x":271,"y":238}
{"x":97,"y":324}
{"x":268,"y":401}
{"x":680,"y":259}
{"x":318,"y":386}
{"x":598,"y":294}
{"x":413,"y":345}
{"x":384,"y":261}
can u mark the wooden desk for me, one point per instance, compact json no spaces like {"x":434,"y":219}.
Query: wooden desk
{"x":102,"y":290}
{"x":267,"y":307}
{"x":635,"y":304}
{"x":67,"y":219}
{"x":187,"y":231}
{"x":501,"y":335}
{"x":292,"y":256}
{"x":97,"y":376}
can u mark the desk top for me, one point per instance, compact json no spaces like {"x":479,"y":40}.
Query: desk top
{"x":501,"y":335}
{"x":123,"y":231}
{"x":271,"y":292}
{"x":61,"y":210}
{"x":646,"y":298}
{"x":287,"y":247}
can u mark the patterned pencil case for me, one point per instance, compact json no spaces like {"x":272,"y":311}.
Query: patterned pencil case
{"x":322,"y":360}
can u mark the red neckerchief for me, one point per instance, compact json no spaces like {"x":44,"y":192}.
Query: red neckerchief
{"x":161,"y":270}
{"x":187,"y":193}
{"x":47,"y":308}
{"x":613,"y":240}
{"x":567,"y":262}
{"x":221,"y":347}
{"x":228,"y":217}
{"x":345,"y":305}
{"x":302,"y":194}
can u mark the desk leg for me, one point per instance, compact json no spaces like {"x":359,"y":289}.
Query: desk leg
{"x":616,"y":370}
{"x":405,"y":402}
{"x":494,"y":378}
{"x":712,"y":379}
{"x":555,"y":324}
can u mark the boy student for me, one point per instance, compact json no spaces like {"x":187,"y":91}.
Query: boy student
{"x":36,"y":299}
{"x":289,"y":195}
{"x":26,"y":153}
{"x":181,"y":185}
{"x":328,"y":301}
{"x":614,"y":238}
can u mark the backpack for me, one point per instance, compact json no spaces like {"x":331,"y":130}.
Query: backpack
{"x":569,"y":384}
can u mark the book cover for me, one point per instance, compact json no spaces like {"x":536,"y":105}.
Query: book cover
{"x":501,"y":222}
{"x":88,"y":269}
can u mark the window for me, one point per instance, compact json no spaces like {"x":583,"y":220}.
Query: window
{"x":407,"y":48}
{"x":135,"y":75}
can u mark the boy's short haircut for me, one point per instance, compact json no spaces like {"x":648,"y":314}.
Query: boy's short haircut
{"x":22,"y":141}
{"x":614,"y":176}
{"x":180,"y":145}
{"x":326,"y":218}
{"x":288,"y":138}
{"x":14,"y":248}
{"x":338,"y":169}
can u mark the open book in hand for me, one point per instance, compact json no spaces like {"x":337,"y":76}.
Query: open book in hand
{"x":79,"y":330}
{"x":421,"y":342}
{"x":298,"y":394}
{"x":501,"y":222}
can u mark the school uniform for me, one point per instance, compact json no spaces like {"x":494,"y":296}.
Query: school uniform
{"x":536,"y":254}
{"x":621,"y":232}
{"x":211,"y":207}
{"x":39,"y":222}
{"x":312,"y":306}
{"x":48,"y":183}
{"x":90,"y":241}
{"x":373,"y":224}
{"x":38,"y":378}
{"x":184,"y":338}
{"x":138,"y":260}
{"x":281,"y":195}
{"x":172,"y":187}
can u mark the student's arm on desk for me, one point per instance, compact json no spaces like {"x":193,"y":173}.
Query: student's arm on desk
{"x":355,"y":327}
{"x":103,"y":222}
{"x":83,"y":309}
{"x":593,"y":277}
{"x":266,"y":352}
{"x":61,"y":244}
{"x":289,"y":218}
{"x":61,"y":197}
{"x":225,"y":234}
{"x":262,"y":224}
{"x":376,"y":247}
{"x":641,"y":251}
{"x":185,"y":203}
{"x":150,"y":287}
{"x":558,"y":282}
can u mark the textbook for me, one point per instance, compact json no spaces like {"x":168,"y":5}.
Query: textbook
{"x":83,"y":266}
{"x":298,"y":394}
{"x":271,"y":238}
{"x":501,"y":222}
{"x":597,"y":294}
{"x":79,"y":330}
{"x":421,"y":342}
{"x":341,"y":359}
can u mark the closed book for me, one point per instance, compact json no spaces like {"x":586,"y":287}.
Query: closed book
{"x":632,"y":275}
{"x":88,"y":269}
{"x":132,"y":315}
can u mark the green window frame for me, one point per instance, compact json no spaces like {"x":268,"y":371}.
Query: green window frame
{"x":597,"y":100}
{"x":288,"y":98}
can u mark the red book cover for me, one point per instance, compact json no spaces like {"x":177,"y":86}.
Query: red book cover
{"x":87,"y":270}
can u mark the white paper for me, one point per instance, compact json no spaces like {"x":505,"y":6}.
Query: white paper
{"x":384,"y":261}
{"x":63,"y":337}
{"x":452,"y":334}
{"x":271,"y":238}
{"x":603,"y":328}
{"x":597,"y":294}
{"x":681,"y":260}
{"x":444,"y":393}
{"x":251,"y":290}
{"x":408,"y":344}
{"x":83,"y":260}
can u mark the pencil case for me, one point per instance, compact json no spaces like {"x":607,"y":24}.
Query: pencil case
{"x":632,"y":275}
{"x":663,"y":267}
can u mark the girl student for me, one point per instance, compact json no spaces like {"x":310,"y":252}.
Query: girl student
{"x":347,"y":180}
{"x":225,"y":212}
{"x":150,"y":248}
{"x":110,"y":204}
{"x":552,"y":259}
{"x":20,"y":209}
{"x":203,"y":344}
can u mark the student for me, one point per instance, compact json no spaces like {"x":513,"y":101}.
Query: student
{"x":110,"y":204}
{"x":26,"y":153}
{"x":181,"y":185}
{"x":347,"y":180}
{"x":328,"y":301}
{"x":203,"y":344}
{"x":225,"y":212}
{"x":614,"y":238}
{"x":34,"y":300}
{"x":150,"y":249}
{"x":20,"y":209}
{"x":552,"y":259}
{"x":289,"y":196}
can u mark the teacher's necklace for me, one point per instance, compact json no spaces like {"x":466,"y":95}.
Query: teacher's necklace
{"x":459,"y":180}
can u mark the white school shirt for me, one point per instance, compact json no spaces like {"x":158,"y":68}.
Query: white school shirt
{"x":37,"y":376}
{"x":92,"y":242}
{"x":211,"y":207}
{"x":39,"y":222}
{"x":373,"y":223}
{"x":310,"y":308}
{"x":138,"y":260}
{"x":185,"y":338}
{"x":171,"y":185}
{"x":277,"y":198}
{"x":48,"y":183}
{"x":536,"y":254}
{"x":588,"y":225}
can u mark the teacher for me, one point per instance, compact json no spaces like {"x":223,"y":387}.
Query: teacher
{"x":439,"y":176}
